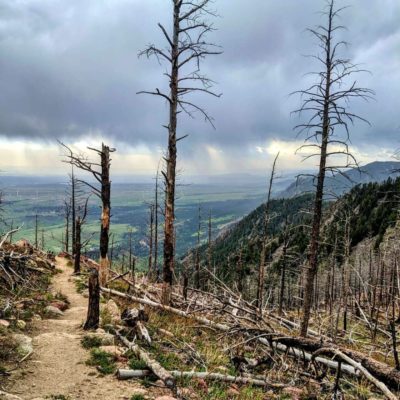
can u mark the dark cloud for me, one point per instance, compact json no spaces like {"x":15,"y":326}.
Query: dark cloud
{"x":69,"y":68}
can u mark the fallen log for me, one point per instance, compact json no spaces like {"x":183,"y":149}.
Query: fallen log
{"x":385,"y":373}
{"x":157,"y":369}
{"x":380,"y":385}
{"x":124,"y":374}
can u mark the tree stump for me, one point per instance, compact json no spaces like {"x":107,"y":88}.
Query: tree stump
{"x":93,"y":315}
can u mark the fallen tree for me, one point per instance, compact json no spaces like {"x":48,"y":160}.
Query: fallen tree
{"x":302,"y":348}
{"x":131,"y":374}
{"x":152,"y":364}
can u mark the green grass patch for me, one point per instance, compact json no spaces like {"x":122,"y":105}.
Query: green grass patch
{"x":104,"y":362}
{"x":135,"y":363}
{"x":89,"y":342}
{"x":137,"y":397}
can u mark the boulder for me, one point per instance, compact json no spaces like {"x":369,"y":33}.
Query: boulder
{"x":166,"y":398}
{"x":52,"y":311}
{"x":24,"y":344}
{"x":61,"y":305}
{"x":4,"y":323}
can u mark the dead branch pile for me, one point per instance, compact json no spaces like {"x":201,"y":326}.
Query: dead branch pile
{"x":21,"y":263}
{"x":228,"y":313}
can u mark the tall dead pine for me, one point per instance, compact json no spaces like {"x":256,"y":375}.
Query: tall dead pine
{"x":326,"y":104}
{"x":187,"y":46}
{"x":264,"y":242}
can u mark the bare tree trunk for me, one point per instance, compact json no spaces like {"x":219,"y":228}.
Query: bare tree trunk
{"x":73,"y":208}
{"x":264,"y":243}
{"x":151,"y":228}
{"x":105,"y":214}
{"x":186,"y":45}
{"x":36,"y":231}
{"x":197,"y":263}
{"x":156,"y":269}
{"x":78,"y":247}
{"x":93,"y":315}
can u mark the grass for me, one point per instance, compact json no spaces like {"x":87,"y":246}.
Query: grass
{"x":135,"y":363}
{"x":137,"y":397}
{"x":89,"y":342}
{"x":104,"y":362}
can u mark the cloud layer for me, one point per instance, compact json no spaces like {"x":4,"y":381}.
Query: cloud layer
{"x":69,"y":69}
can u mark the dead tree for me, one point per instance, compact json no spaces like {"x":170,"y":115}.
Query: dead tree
{"x":327,"y":128}
{"x":80,"y":220}
{"x":264,"y":241}
{"x":73,"y":208}
{"x":197,"y":265}
{"x":67,"y":216}
{"x":151,"y":231}
{"x":209,"y":245}
{"x":101,"y":173}
{"x":93,"y":315}
{"x":186,"y":48}
{"x":36,"y":231}
{"x":156,"y":269}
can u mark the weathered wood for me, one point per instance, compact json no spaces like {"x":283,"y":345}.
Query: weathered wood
{"x":300,"y":347}
{"x":157,"y":369}
{"x":380,"y":385}
{"x":93,"y":315}
{"x":129,"y":374}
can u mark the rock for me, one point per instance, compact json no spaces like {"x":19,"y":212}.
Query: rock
{"x":166,"y":398}
{"x":114,"y":350}
{"x":51,"y":311}
{"x":188,"y":393}
{"x":61,"y":305}
{"x":139,"y":392}
{"x":4,"y":323}
{"x":8,"y":396}
{"x":106,"y":338}
{"x":24,"y":344}
{"x":36,"y":317}
{"x":20,"y":324}
{"x":112,"y":310}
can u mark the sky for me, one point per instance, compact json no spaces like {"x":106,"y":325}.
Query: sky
{"x":69,"y":70}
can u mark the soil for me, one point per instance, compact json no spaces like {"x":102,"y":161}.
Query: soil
{"x":57,"y":366}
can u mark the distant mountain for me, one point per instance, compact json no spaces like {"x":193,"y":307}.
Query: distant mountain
{"x":377,"y":171}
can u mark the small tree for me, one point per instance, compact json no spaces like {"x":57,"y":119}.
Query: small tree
{"x":327,"y":128}
{"x":186,"y":46}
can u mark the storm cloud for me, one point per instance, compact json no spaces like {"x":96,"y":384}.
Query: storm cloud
{"x":70,"y":70}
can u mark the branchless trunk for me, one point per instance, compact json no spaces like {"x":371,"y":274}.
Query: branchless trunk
{"x":264,"y":242}
{"x":93,"y":315}
{"x":78,"y":246}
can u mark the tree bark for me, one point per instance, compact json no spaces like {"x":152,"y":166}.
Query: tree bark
{"x":78,"y":246}
{"x":93,"y":315}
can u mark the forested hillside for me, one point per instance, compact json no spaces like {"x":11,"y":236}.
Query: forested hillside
{"x":366,"y":212}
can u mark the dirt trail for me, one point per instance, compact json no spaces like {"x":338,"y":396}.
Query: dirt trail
{"x":57,"y":366}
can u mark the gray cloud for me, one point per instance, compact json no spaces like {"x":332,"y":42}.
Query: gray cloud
{"x":68,"y":68}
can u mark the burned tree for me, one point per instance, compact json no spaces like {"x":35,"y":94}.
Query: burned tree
{"x":101,"y":173}
{"x":264,"y":241}
{"x":327,"y":128}
{"x":80,"y":220}
{"x":187,"y":46}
